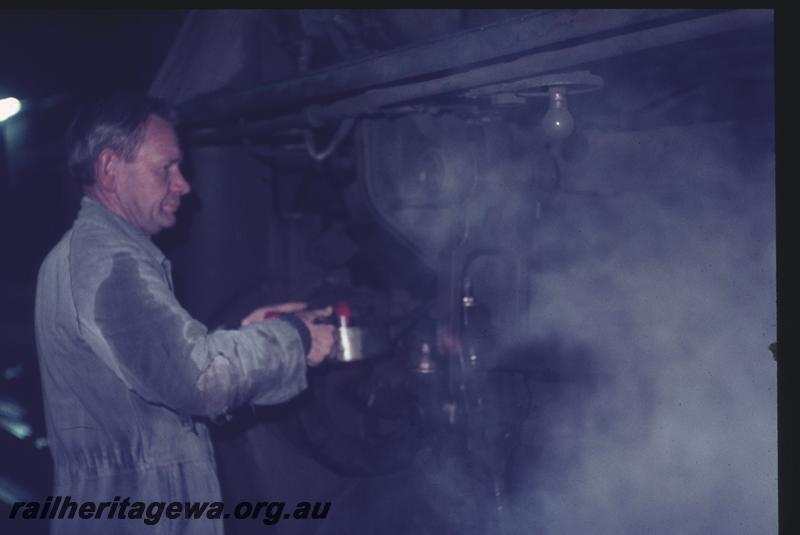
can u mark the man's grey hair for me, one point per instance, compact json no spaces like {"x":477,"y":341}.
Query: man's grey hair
{"x":116,"y":122}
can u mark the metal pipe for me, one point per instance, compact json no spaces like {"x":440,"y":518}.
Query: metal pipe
{"x":534,"y":64}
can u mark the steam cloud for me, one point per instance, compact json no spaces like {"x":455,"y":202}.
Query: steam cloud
{"x":669,"y":278}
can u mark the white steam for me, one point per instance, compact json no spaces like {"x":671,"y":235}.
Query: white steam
{"x":671,"y":283}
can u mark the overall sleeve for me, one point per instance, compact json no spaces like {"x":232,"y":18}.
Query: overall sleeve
{"x":159,"y":351}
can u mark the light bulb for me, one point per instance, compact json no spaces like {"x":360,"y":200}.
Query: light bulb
{"x":9,"y":107}
{"x":558,"y":122}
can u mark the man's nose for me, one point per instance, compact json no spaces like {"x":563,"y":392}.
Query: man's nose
{"x":180,"y":184}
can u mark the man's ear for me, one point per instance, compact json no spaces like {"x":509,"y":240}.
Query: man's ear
{"x":106,"y":169}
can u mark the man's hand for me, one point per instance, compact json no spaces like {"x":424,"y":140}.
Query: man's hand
{"x":260,"y":314}
{"x":323,"y":335}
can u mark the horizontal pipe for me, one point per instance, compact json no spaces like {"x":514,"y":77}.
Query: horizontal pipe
{"x":548,"y":61}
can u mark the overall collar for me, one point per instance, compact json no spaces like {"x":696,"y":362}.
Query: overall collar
{"x":93,"y":210}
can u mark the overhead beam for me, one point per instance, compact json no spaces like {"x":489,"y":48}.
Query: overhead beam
{"x":454,"y":52}
{"x":573,"y":52}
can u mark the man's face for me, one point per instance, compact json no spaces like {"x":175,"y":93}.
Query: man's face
{"x":149,"y":188}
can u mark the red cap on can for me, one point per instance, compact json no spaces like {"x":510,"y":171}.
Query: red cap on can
{"x":343,"y":310}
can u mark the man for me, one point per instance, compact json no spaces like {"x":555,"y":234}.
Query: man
{"x":126,"y":371}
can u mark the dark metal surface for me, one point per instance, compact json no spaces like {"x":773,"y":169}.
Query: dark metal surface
{"x":544,"y":40}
